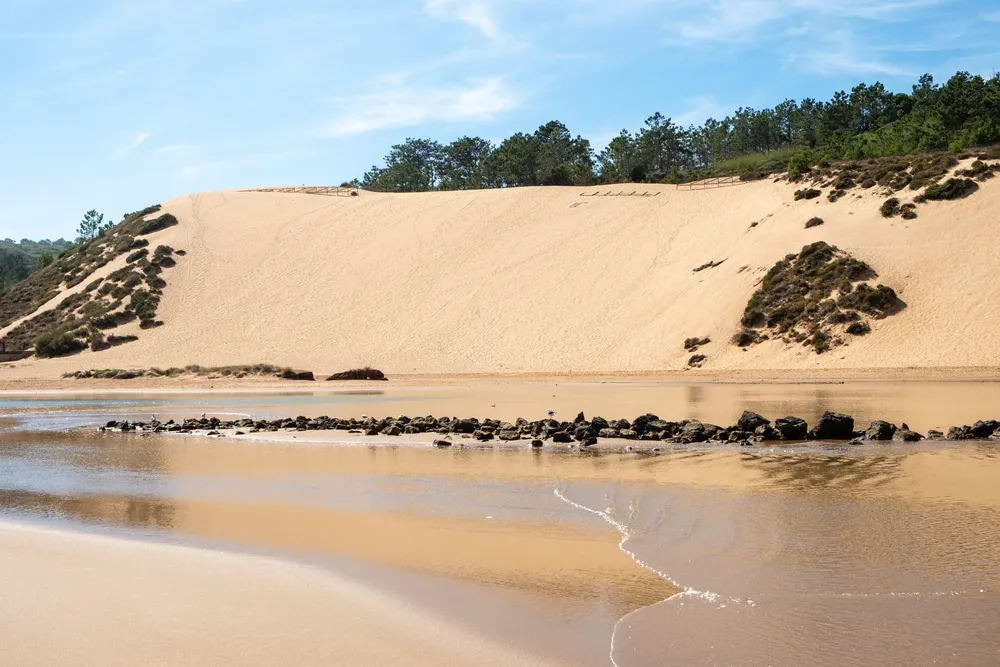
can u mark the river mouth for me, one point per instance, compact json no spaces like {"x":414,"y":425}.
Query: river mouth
{"x":818,"y":555}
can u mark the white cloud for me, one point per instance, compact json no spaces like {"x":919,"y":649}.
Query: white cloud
{"x":478,"y":100}
{"x":137,"y":141}
{"x":171,"y":148}
{"x":476,"y":13}
{"x":741,"y":20}
{"x":838,"y":52}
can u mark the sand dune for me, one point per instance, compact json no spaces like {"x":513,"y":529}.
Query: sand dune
{"x":546,"y":280}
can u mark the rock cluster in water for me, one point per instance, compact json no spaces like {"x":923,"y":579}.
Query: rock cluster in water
{"x":749,"y":429}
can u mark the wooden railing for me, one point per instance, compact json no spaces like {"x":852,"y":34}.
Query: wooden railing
{"x":708,"y":183}
{"x":313,"y":190}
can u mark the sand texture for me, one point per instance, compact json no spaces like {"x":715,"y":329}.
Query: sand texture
{"x":546,"y":280}
{"x":128,"y":603}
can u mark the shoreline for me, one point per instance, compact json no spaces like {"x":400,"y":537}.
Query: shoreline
{"x":24,"y":383}
{"x":284,"y":609}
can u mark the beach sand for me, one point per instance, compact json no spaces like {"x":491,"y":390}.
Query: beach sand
{"x":75,"y":599}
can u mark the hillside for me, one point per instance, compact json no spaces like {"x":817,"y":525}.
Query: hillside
{"x":550,"y":280}
{"x":18,"y":258}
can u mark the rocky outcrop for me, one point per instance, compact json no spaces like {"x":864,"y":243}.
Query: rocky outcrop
{"x":750,"y":428}
{"x":359,"y":374}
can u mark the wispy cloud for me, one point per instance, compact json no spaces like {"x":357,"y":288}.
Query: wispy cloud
{"x":700,"y":109}
{"x":171,"y":148}
{"x":137,"y":141}
{"x":477,"y":100}
{"x":477,"y":13}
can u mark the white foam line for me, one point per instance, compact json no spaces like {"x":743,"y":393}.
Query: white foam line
{"x":626,"y":535}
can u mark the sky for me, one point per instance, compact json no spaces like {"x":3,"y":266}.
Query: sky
{"x":118,"y":104}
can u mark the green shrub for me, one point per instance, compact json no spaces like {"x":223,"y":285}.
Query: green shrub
{"x":798,"y":165}
{"x":58,"y":343}
{"x":953,"y":188}
{"x":814,"y":222}
{"x":137,"y":255}
{"x":889,"y":208}
{"x":859,"y":328}
{"x":808,"y":193}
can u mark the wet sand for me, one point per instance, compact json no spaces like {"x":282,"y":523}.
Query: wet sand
{"x":819,"y":554}
{"x":117,"y":602}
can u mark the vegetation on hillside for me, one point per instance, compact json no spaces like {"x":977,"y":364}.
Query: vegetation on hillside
{"x":81,"y":319}
{"x":813,"y":298}
{"x":18,"y":259}
{"x":869,"y":121}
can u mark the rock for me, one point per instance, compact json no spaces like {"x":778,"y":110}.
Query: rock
{"x":906,"y":435}
{"x":935,"y":435}
{"x":766,"y":432}
{"x":579,"y":419}
{"x":239,"y":433}
{"x":694,"y":431}
{"x":607,"y":433}
{"x":628,"y":434}
{"x":588,"y":442}
{"x":751,"y":421}
{"x":561,"y":437}
{"x":984,"y":429}
{"x":598,"y":423}
{"x":791,"y":428}
{"x":484,"y":436}
{"x":465,"y":426}
{"x":880,"y":430}
{"x":536,"y":443}
{"x":833,"y":426}
{"x":508,"y":436}
{"x":442,"y":443}
{"x":359,"y":374}
{"x":960,"y":433}
{"x":289,"y":374}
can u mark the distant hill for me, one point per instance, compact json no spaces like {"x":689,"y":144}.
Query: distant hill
{"x":19,"y":258}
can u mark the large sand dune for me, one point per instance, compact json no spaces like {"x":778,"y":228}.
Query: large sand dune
{"x":547,"y":280}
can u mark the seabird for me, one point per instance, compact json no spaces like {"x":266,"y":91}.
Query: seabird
{"x":550,"y":412}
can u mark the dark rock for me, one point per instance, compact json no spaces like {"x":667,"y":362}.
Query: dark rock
{"x":289,"y":374}
{"x":833,"y":426}
{"x":766,"y":432}
{"x":984,"y":429}
{"x":484,"y":436}
{"x":627,"y":434}
{"x":588,"y":442}
{"x":579,"y":419}
{"x":791,"y":428}
{"x":694,"y":431}
{"x":536,"y":443}
{"x":608,"y":433}
{"x":880,"y":430}
{"x":935,"y":435}
{"x":751,"y":421}
{"x":508,"y":436}
{"x":906,"y":435}
{"x":561,"y":437}
{"x":960,"y":433}
{"x":359,"y":374}
{"x":442,"y":443}
{"x":465,"y":426}
{"x":598,"y":423}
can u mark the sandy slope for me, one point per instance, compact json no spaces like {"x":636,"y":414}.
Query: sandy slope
{"x":547,"y":280}
{"x":128,"y":603}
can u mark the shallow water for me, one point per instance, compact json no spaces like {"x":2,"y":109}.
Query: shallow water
{"x":820,"y":555}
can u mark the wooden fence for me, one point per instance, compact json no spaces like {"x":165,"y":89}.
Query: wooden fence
{"x":709,"y":183}
{"x":313,"y":190}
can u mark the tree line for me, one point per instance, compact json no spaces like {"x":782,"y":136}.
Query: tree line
{"x":869,"y":121}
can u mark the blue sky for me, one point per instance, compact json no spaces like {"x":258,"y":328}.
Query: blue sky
{"x":117,"y":104}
